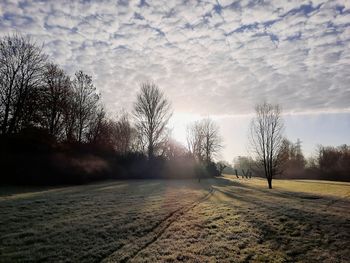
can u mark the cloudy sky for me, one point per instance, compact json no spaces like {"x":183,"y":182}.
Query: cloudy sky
{"x":211,"y":58}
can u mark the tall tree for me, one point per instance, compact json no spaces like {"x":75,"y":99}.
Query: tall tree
{"x":85,"y":101}
{"x":21,"y":65}
{"x":266,"y":137}
{"x":70,"y":117}
{"x":55,"y":93}
{"x":152,"y":112}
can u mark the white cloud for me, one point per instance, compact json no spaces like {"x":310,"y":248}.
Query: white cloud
{"x":209,"y":57}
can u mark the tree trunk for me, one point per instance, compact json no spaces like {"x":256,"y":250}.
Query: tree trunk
{"x":269,"y":180}
{"x":150,"y":152}
{"x":4,"y":124}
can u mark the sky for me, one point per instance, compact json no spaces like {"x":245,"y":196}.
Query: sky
{"x":211,"y":58}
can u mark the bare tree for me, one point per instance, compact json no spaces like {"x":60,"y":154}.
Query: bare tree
{"x":152,"y":112}
{"x":21,"y":65}
{"x":85,"y":102}
{"x":243,"y":165}
{"x":122,"y":134}
{"x":70,"y":117}
{"x":203,"y":140}
{"x":292,"y":157}
{"x":266,"y":137}
{"x":55,"y":93}
{"x":212,"y":139}
{"x":174,"y":150}
{"x":98,"y":130}
{"x":195,"y":140}
{"x":221,"y":165}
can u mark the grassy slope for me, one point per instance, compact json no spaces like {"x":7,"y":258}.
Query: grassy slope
{"x":226,"y":220}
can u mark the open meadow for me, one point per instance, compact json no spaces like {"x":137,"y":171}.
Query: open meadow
{"x":217,"y":220}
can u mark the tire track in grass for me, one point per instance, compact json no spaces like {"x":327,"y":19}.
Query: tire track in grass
{"x":130,"y":251}
{"x":331,"y":203}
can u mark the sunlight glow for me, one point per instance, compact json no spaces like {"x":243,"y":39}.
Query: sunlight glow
{"x":178,"y":124}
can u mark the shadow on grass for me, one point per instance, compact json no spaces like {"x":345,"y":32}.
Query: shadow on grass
{"x":301,"y":226}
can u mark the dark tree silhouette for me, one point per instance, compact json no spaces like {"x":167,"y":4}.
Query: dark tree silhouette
{"x":55,"y":93}
{"x":97,"y":127}
{"x":152,"y":112}
{"x":70,"y":117}
{"x":221,"y":166}
{"x":85,"y":103}
{"x":122,"y":134}
{"x":266,"y":137}
{"x":21,"y":66}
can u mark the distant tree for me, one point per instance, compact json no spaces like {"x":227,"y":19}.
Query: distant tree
{"x":98,"y":130}
{"x":173,"y":150}
{"x":55,"y":92}
{"x":266,"y":137}
{"x":292,"y":157}
{"x":243,"y":165}
{"x":85,"y":102}
{"x":329,"y":157}
{"x":21,"y":66}
{"x":152,"y":112}
{"x":311,"y":162}
{"x":123,"y":134}
{"x":195,"y":140}
{"x":221,"y":165}
{"x":212,"y":139}
{"x":299,"y":156}
{"x":332,"y":163}
{"x":229,"y":169}
{"x":204,"y":140}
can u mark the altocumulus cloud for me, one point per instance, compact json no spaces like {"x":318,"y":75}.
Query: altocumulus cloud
{"x":217,"y":57}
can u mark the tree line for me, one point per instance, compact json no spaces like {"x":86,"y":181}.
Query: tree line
{"x":273,"y":155}
{"x":55,"y":129}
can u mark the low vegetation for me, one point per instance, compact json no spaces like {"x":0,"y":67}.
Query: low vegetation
{"x":220,"y":219}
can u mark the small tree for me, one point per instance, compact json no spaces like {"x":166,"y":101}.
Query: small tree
{"x":152,"y":112}
{"x":243,"y":165}
{"x":266,"y":137}
{"x":221,"y":166}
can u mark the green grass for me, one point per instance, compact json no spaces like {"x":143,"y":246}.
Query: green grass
{"x":218,"y":220}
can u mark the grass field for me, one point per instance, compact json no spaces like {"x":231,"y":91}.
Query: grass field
{"x":217,"y":220}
